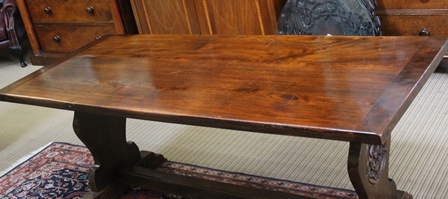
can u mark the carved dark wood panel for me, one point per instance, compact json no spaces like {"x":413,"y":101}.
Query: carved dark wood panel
{"x":334,"y":17}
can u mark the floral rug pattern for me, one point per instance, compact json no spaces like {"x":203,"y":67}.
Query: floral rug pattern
{"x":60,"y":171}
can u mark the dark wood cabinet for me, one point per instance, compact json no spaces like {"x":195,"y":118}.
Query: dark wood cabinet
{"x":228,"y":17}
{"x":413,"y":17}
{"x":57,"y":27}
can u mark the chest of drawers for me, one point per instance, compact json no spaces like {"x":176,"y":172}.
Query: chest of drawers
{"x":413,"y":17}
{"x":57,"y":27}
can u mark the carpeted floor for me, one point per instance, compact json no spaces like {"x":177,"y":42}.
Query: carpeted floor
{"x":418,"y":155}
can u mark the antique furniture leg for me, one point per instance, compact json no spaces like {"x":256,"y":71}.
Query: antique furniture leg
{"x":368,"y":170}
{"x":11,"y":27}
{"x":105,"y":137}
{"x":19,"y":51}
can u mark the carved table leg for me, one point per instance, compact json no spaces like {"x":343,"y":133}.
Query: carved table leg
{"x":105,"y":137}
{"x":368,"y":170}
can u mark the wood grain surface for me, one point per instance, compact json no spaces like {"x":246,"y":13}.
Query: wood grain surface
{"x":342,"y":88}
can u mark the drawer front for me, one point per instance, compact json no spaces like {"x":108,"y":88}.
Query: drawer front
{"x":412,"y":4}
{"x":412,"y":25}
{"x":67,"y":38}
{"x":60,"y":11}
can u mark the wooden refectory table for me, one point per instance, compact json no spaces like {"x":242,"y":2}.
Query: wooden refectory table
{"x":352,"y":89}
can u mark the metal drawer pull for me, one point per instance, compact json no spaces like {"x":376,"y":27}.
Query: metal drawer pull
{"x":47,"y":10}
{"x":97,"y":37}
{"x":425,"y":32}
{"x":57,"y":39}
{"x":90,"y":10}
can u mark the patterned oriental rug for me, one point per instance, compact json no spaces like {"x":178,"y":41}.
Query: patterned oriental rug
{"x":60,"y":171}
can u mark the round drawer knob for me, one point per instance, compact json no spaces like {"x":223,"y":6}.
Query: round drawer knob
{"x":47,"y":10}
{"x":90,"y":10}
{"x":57,"y":39}
{"x":425,"y":32}
{"x":97,"y":37}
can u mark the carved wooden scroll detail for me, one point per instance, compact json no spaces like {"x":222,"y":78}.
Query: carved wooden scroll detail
{"x":334,"y":17}
{"x":377,"y":155}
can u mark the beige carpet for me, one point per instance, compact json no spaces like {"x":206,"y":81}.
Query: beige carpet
{"x":419,"y":156}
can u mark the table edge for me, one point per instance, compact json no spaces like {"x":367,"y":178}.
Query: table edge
{"x":362,"y":133}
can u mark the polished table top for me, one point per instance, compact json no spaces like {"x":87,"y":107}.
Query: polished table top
{"x":342,"y":88}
